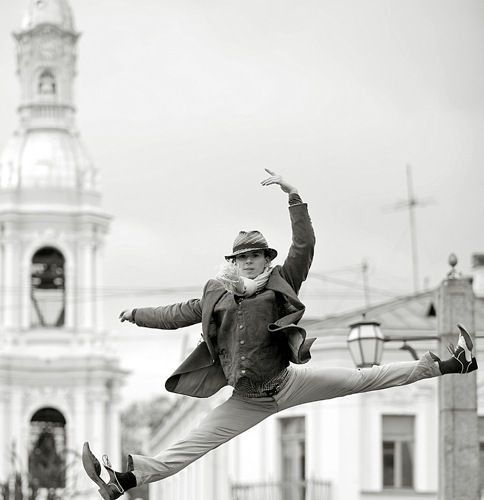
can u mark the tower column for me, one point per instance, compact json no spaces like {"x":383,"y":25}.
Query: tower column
{"x":81,"y":416}
{"x":11,"y":302}
{"x":85,"y":279}
{"x":4,"y":440}
{"x":97,"y":429}
{"x":113,"y":418}
{"x":70,"y":296}
{"x":16,"y":427}
{"x":2,"y":278}
{"x":25,"y":288}
{"x":97,"y":295}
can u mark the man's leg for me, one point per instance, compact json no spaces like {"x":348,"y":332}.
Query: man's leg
{"x":317,"y":384}
{"x":223,"y":423}
{"x":307,"y":385}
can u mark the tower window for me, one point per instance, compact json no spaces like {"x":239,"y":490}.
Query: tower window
{"x":48,"y":288}
{"x":47,"y":83}
{"x":47,"y":453}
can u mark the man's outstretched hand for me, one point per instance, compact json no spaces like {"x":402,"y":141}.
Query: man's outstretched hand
{"x":278,"y":179}
{"x":126,"y":315}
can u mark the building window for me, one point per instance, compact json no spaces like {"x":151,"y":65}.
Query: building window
{"x":46,"y":83}
{"x":293,"y":451}
{"x":398,"y":451}
{"x":47,"y":453}
{"x":47,"y":288}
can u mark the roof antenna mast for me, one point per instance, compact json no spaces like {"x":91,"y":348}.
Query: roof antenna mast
{"x":411,"y":204}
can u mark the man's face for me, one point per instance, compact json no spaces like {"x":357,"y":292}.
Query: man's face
{"x":252,"y":263}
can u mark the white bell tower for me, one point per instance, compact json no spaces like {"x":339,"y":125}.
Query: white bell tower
{"x":59,"y":384}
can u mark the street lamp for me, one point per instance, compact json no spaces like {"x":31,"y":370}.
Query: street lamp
{"x":365,"y":343}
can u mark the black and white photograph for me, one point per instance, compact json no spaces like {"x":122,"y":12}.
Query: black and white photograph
{"x":241,"y":249}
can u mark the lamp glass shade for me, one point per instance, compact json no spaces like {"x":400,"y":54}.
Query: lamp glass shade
{"x":365,"y":342}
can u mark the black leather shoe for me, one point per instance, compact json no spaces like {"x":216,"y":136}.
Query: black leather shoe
{"x":109,"y":491}
{"x":113,"y":478}
{"x":463,"y":352}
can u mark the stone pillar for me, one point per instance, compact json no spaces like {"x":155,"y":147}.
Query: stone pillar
{"x":98,"y":283}
{"x":71,"y":296}
{"x":25,"y":289}
{"x":96,"y":432}
{"x":4,"y":436}
{"x":11,"y":299}
{"x":114,"y":437}
{"x":16,"y":429}
{"x":80,"y":418}
{"x":2,"y":277}
{"x":458,"y":442}
{"x":85,"y":275}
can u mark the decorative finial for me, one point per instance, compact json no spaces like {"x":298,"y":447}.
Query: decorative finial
{"x":452,"y":274}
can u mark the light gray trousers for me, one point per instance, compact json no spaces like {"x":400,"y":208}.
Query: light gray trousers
{"x":304,"y":385}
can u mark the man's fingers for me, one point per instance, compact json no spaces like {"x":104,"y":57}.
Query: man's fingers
{"x":124,"y":316}
{"x":269,"y":171}
{"x":267,"y":182}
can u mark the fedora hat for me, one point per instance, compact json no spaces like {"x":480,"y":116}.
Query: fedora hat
{"x":248,"y":241}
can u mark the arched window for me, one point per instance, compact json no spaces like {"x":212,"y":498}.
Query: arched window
{"x":47,"y":450}
{"x":48,"y":288}
{"x":46,"y":84}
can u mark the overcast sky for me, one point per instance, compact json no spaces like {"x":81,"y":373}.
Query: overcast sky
{"x":183,"y":103}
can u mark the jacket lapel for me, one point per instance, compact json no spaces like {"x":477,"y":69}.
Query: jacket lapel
{"x":211,"y":297}
{"x":278,"y":284}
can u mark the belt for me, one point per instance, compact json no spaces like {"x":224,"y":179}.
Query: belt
{"x":272,"y":392}
{"x":274,"y":386}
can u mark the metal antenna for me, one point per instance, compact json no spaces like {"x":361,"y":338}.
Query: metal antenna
{"x":366,"y":286}
{"x":411,"y":204}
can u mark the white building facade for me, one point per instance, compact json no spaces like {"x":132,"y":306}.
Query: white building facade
{"x":372,"y":446}
{"x":59,"y":385}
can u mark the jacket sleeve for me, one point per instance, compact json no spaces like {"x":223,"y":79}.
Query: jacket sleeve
{"x":170,"y":317}
{"x":298,"y":261}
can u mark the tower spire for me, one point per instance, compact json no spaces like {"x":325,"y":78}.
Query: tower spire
{"x":51,"y":224}
{"x":54,"y":12}
{"x":46,"y":151}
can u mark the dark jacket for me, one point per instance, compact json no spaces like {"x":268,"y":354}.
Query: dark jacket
{"x":201,"y":374}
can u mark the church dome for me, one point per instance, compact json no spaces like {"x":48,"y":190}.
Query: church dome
{"x":46,"y":159}
{"x":57,"y":12}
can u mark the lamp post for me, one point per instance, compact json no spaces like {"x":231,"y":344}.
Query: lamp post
{"x":366,"y":340}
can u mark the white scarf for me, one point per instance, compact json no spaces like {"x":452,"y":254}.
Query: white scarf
{"x":257,"y":284}
{"x":230,"y":277}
